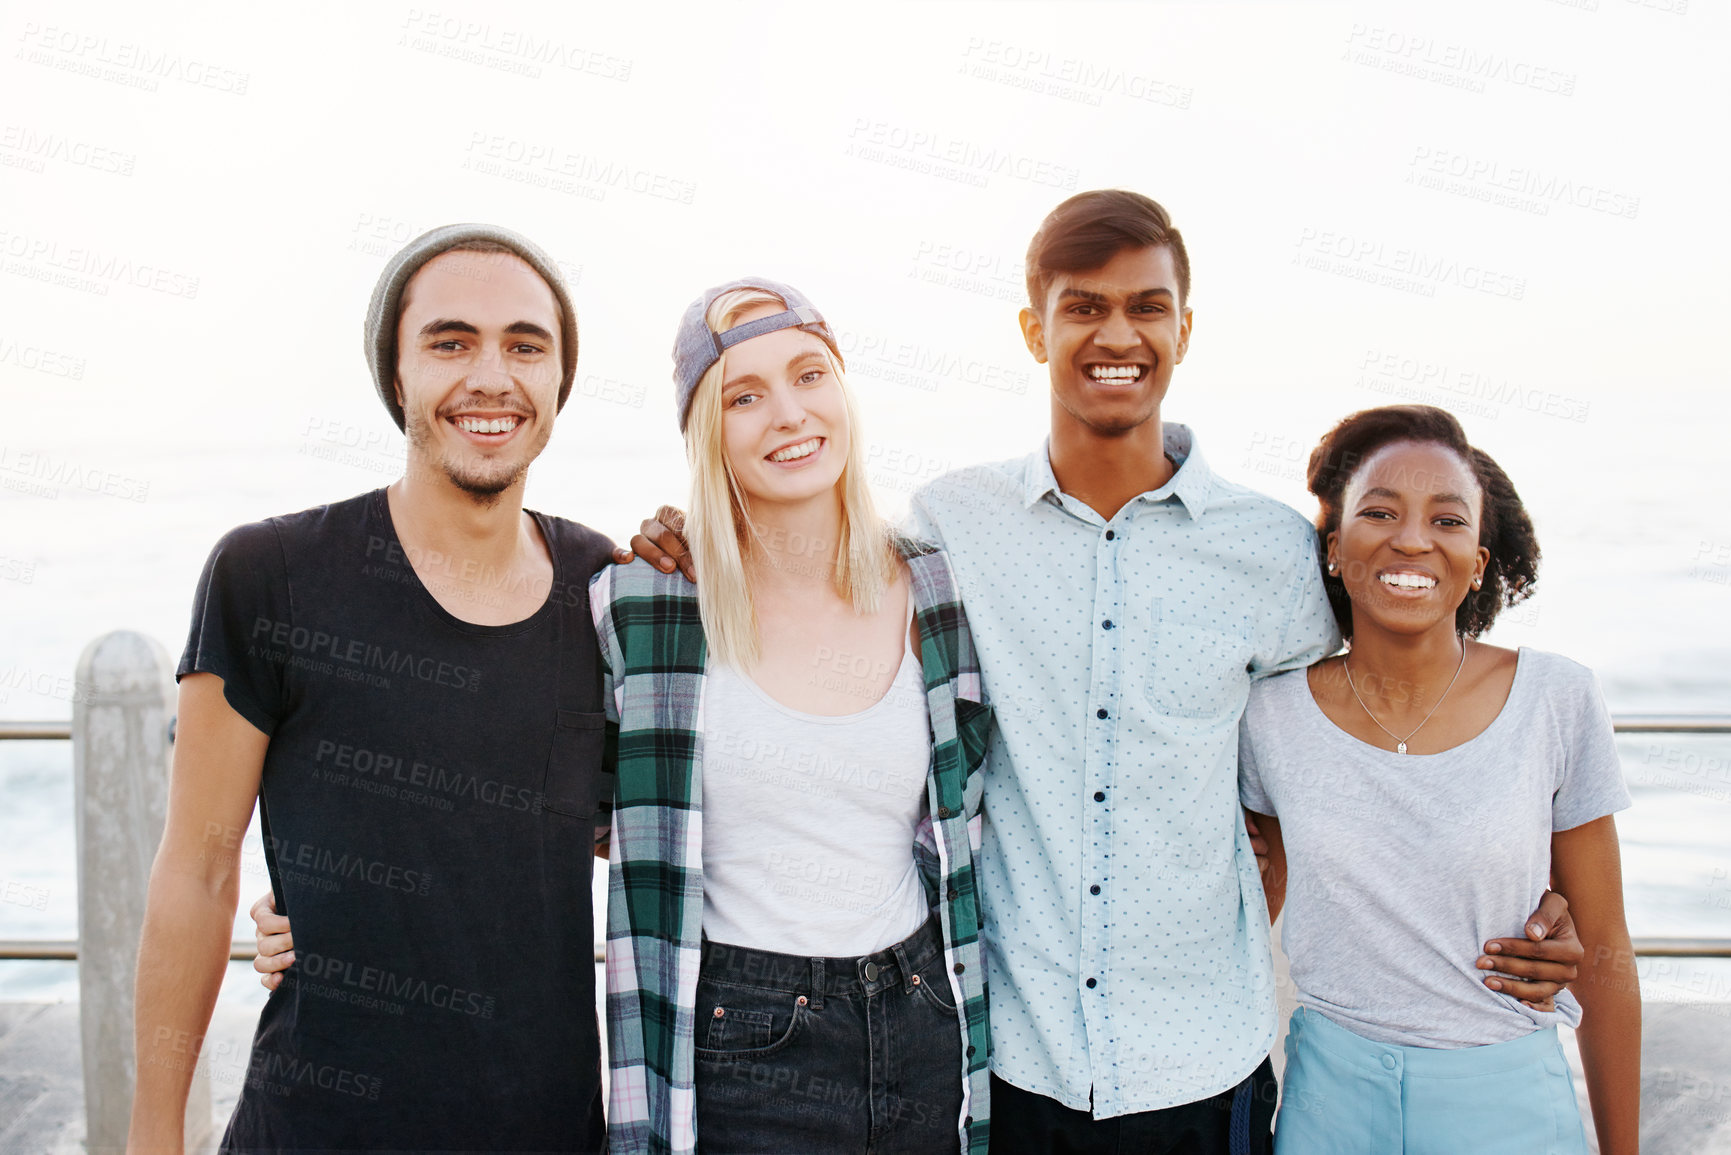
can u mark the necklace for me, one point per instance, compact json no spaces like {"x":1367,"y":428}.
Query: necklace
{"x":1399,"y":742}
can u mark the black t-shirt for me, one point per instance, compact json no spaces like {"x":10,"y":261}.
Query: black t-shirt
{"x":427,"y":805}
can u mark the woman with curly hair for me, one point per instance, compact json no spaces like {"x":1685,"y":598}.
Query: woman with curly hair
{"x":1423,"y":762}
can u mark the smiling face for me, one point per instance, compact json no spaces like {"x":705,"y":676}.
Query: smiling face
{"x":1408,"y":544}
{"x":784,"y":421}
{"x":478,"y":369}
{"x":1111,"y":336}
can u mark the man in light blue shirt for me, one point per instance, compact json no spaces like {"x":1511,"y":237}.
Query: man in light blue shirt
{"x":1121,"y":598}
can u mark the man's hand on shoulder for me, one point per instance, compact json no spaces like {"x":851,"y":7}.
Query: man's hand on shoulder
{"x":662,"y":543}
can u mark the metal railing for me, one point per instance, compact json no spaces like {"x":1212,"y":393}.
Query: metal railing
{"x":1652,"y":947}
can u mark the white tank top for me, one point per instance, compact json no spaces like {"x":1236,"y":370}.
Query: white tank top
{"x":809,"y":819}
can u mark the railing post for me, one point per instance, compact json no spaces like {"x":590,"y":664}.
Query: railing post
{"x":120,"y":752}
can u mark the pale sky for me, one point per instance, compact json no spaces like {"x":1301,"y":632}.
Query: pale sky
{"x":1511,"y":208}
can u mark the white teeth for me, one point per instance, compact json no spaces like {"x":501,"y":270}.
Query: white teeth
{"x":794,"y":452}
{"x":1115,"y":372}
{"x":491,"y":425}
{"x":1408,"y":581}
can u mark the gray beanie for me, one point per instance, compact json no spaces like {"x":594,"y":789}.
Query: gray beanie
{"x":380,"y":332}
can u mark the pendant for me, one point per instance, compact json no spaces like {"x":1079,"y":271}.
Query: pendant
{"x":1400,"y":747}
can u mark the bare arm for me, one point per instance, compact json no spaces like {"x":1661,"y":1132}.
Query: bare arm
{"x":1587,"y":865}
{"x":189,"y":910}
{"x":1266,"y":828}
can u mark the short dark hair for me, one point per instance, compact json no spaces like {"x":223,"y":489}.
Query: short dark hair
{"x":1505,"y":529}
{"x":1090,"y":229}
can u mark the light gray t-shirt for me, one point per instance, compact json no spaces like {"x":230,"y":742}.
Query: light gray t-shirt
{"x":1400,"y":866}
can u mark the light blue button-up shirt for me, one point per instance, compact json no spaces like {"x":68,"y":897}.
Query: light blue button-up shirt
{"x":1126,"y":931}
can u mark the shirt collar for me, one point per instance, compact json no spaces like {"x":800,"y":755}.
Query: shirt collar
{"x":1191,"y":484}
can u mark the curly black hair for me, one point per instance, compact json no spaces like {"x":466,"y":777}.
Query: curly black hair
{"x":1505,"y":529}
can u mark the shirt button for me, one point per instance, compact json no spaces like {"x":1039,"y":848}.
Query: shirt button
{"x":1095,"y":889}
{"x":955,"y":893}
{"x":1388,"y":1062}
{"x":960,"y":967}
{"x":1107,"y":624}
{"x":1099,"y":796}
{"x":1100,"y":713}
{"x":944,"y":812}
{"x":1092,"y":983}
{"x":970,"y":1055}
{"x":969,"y":1121}
{"x":1110,"y":535}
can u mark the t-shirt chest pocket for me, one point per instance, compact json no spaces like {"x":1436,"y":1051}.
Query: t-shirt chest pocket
{"x":574,"y":763}
{"x":1195,"y":668}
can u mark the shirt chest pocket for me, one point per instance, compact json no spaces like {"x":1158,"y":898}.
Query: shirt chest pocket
{"x":574,"y":763}
{"x":1193,"y":668}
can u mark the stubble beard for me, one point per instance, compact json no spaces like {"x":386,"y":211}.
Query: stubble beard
{"x":486,"y":485}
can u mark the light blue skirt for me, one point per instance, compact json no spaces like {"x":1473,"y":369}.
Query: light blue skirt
{"x":1343,"y":1095}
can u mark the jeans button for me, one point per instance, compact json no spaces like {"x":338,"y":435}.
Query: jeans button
{"x":871,"y":972}
{"x":1388,"y":1062}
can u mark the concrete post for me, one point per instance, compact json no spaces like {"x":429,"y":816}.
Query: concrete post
{"x":120,"y":755}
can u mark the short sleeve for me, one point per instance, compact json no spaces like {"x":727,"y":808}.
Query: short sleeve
{"x":1306,"y":631}
{"x":242,"y":624}
{"x":1252,"y":794}
{"x":1592,"y":784}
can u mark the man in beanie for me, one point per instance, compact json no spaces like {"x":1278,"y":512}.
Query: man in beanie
{"x":408,"y":682}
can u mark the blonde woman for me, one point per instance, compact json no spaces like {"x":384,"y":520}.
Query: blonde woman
{"x":793,"y":950}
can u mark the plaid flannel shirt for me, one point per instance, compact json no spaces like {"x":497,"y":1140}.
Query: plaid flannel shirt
{"x":652,"y":642}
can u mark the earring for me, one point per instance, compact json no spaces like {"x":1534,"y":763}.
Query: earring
{"x":1333,"y":567}
{"x":1477,"y":582}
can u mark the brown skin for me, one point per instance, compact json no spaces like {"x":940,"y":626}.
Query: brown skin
{"x":1107,"y":444}
{"x":1107,"y":448}
{"x":1415,"y":509}
{"x":468,"y":346}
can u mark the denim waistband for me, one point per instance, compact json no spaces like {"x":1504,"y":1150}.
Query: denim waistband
{"x":894,"y":966}
{"x":1429,"y":1062}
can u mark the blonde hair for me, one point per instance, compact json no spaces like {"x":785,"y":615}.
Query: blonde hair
{"x":719,"y":528}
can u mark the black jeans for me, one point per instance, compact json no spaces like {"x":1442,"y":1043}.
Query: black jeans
{"x":1024,"y":1123}
{"x":815,"y":1055}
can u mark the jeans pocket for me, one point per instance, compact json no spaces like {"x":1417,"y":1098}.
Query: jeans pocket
{"x":934,"y":987}
{"x":736,"y":1023}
